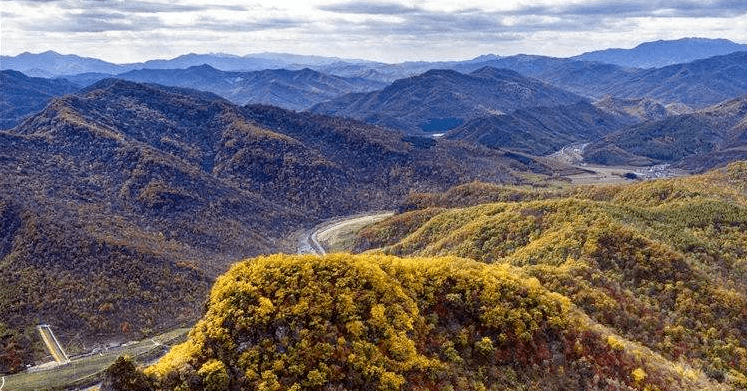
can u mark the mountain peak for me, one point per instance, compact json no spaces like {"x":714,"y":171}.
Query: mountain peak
{"x":440,"y":72}
{"x":661,"y":53}
{"x":203,"y":67}
{"x":486,"y":57}
{"x":123,"y":87}
{"x":687,"y":40}
{"x":496,"y":73}
{"x":441,"y":99}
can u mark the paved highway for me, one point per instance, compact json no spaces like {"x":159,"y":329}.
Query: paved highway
{"x":310,"y":242}
{"x":52,"y":344}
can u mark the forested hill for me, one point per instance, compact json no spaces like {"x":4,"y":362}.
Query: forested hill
{"x":660,"y":263}
{"x":366,"y":322}
{"x":629,"y":287}
{"x":121,"y":203}
{"x":697,"y":141}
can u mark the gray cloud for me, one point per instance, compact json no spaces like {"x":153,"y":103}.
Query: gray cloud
{"x":620,"y":9}
{"x":152,"y":7}
{"x":389,"y":30}
{"x":601,"y":8}
{"x":485,"y":26}
{"x":471,"y":23}
{"x":96,"y":21}
{"x":213,"y":24}
{"x":108,"y":15}
{"x":360,"y":7}
{"x":136,"y":6}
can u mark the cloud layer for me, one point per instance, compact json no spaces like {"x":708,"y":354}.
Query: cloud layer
{"x":122,"y":31}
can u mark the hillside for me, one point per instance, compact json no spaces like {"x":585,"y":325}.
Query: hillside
{"x":585,"y":78}
{"x":697,"y":84}
{"x":439,"y":100}
{"x":637,"y":109}
{"x":121,"y":203}
{"x":660,"y":263}
{"x":295,"y":90}
{"x":540,"y":130}
{"x":663,"y":53}
{"x":109,"y":238}
{"x":694,"y":141}
{"x":380,"y":322}
{"x":21,"y":95}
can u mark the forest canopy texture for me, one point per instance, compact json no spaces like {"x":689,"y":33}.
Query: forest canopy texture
{"x":635,"y":287}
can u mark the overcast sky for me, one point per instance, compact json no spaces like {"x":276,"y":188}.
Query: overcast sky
{"x":390,"y":31}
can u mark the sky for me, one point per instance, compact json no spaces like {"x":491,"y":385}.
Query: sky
{"x":123,"y":31}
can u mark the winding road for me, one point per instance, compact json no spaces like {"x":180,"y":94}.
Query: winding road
{"x":310,"y":242}
{"x":315,"y":245}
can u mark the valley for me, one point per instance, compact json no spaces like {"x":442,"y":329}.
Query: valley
{"x":591,"y":174}
{"x":288,"y":222}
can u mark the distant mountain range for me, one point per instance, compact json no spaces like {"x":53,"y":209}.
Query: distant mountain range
{"x":290,"y":89}
{"x":699,"y":83}
{"x":440,"y":100}
{"x":646,"y":55}
{"x":50,"y":63}
{"x":662,"y":53}
{"x":525,"y":103}
{"x":494,"y":107}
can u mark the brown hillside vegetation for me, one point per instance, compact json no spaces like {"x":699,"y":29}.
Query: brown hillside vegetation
{"x":662,"y":263}
{"x":365,"y":322}
{"x":119,"y":205}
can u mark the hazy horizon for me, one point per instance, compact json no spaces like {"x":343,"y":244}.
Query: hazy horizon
{"x":393,"y":31}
